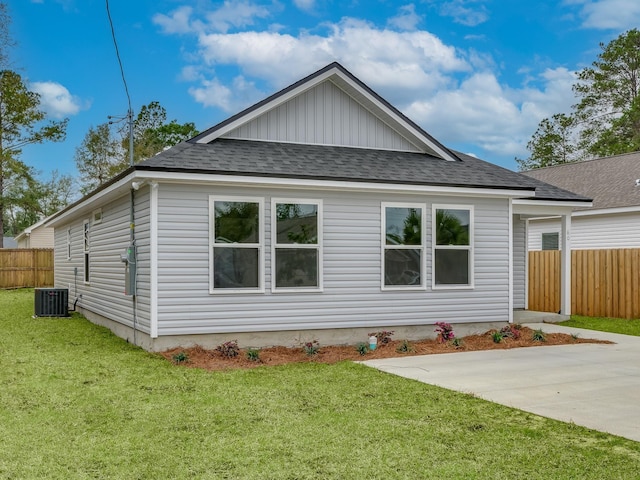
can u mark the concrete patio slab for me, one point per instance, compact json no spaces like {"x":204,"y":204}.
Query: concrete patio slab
{"x":593,"y":385}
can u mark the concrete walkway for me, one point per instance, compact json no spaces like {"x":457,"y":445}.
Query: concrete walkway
{"x":593,"y":385}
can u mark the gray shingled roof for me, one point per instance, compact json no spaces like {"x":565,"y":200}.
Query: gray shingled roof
{"x":610,"y":181}
{"x":288,"y":160}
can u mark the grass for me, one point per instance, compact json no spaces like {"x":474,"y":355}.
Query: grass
{"x":603,"y":324}
{"x":78,"y":402}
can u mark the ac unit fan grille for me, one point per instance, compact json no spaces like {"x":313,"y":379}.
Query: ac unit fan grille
{"x":52,"y":302}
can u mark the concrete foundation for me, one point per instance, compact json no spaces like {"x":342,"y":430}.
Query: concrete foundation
{"x":287,"y":338}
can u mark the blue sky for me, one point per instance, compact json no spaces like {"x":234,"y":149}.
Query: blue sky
{"x":477,"y":75}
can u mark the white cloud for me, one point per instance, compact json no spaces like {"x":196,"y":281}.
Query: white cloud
{"x":609,"y":14}
{"x":213,"y":93}
{"x":231,"y":14}
{"x":465,"y":12}
{"x":407,"y":18}
{"x":56,"y":100}
{"x":497,"y":118}
{"x":305,"y":4}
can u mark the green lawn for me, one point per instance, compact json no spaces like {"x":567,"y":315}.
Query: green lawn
{"x":77,"y":402}
{"x":613,"y":325}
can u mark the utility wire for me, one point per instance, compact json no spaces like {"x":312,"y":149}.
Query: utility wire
{"x":115,"y":44}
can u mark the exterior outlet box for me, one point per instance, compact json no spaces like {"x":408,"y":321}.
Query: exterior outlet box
{"x":51,"y":302}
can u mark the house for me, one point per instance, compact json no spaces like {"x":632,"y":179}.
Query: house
{"x":36,"y":236}
{"x":613,"y":221}
{"x":321,"y":212}
{"x":9,"y":242}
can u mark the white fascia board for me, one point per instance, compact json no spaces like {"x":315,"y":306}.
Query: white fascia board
{"x":295,"y":183}
{"x":606,"y":211}
{"x":545,"y":208}
{"x":267,"y":106}
{"x":111,"y":192}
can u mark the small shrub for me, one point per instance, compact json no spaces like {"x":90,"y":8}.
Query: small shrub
{"x":253,"y":354}
{"x":362,"y":348}
{"x":229,"y":349}
{"x":444,"y":331}
{"x":497,"y":336}
{"x":383,"y":336}
{"x":180,"y":357}
{"x":511,"y":331}
{"x":311,"y":348}
{"x":539,"y":336}
{"x":404,"y":347}
{"x":457,"y":342}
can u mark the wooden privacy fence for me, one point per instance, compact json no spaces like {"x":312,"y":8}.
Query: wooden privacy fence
{"x":26,"y":267}
{"x":604,"y":283}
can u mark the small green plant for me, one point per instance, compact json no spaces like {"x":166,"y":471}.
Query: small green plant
{"x":383,"y":336}
{"x":311,"y":348}
{"x":444,"y":331}
{"x":457,"y":342}
{"x":575,"y":336}
{"x":253,"y":354}
{"x":404,"y":347}
{"x":497,"y":336}
{"x":229,"y":349}
{"x":362,"y":348}
{"x":180,"y":357}
{"x":539,"y":336}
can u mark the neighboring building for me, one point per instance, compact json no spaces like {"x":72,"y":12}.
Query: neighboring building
{"x":9,"y":242}
{"x":36,"y":236}
{"x":614,"y":219}
{"x":321,"y":212}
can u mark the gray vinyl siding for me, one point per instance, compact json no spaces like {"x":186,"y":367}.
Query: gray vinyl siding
{"x":323,"y":115}
{"x":104,"y":294}
{"x":592,"y":232}
{"x":519,"y":262}
{"x":352,"y":295}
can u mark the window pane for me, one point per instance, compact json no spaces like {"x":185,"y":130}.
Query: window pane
{"x":403,"y":226}
{"x":402,"y":267}
{"x":452,"y":227}
{"x":235,"y":267}
{"x":550,"y":241}
{"x":296,"y":267}
{"x":236,"y":222}
{"x":297,"y":223}
{"x":451,"y":267}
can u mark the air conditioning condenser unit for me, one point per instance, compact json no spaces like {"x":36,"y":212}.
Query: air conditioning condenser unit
{"x":52,"y":302}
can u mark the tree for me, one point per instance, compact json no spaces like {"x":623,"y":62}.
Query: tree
{"x":98,"y":158}
{"x":101,"y":155}
{"x":553,"y":143}
{"x":606,"y":119}
{"x":20,"y":125}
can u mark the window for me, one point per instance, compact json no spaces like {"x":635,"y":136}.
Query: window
{"x":403,"y":246}
{"x":69,"y":243}
{"x":86,"y":249}
{"x":452,"y":246}
{"x":297,"y":245}
{"x":550,"y":241}
{"x":236,"y":244}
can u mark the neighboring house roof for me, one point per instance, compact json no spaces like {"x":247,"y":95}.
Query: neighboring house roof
{"x":610,"y":181}
{"x":289,"y":160}
{"x":27,"y":231}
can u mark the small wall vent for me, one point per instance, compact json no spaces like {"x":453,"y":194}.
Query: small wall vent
{"x":52,"y":302}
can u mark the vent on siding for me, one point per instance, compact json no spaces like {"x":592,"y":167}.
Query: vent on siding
{"x":52,"y":302}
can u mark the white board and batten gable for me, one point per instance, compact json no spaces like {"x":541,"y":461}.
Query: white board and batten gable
{"x":330,"y":107}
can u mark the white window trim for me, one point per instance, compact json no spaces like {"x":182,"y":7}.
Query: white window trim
{"x":69,"y":243}
{"x":259,"y":245}
{"x":86,"y":251}
{"x":469,"y":247}
{"x":421,"y":247}
{"x":318,"y":246}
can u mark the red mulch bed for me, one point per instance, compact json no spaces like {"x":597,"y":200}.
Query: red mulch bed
{"x":199,"y":357}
